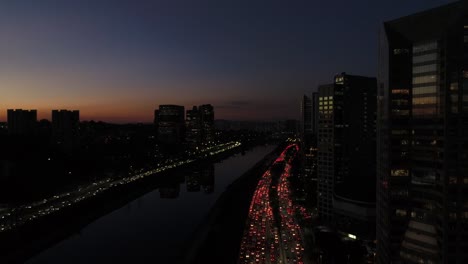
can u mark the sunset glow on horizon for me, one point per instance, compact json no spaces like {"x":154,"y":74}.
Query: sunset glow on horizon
{"x":117,"y":61}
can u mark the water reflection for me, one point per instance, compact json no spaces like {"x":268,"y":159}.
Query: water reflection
{"x":207,"y":180}
{"x":158,"y":226}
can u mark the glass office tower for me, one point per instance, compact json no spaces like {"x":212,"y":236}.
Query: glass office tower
{"x":422,"y":138}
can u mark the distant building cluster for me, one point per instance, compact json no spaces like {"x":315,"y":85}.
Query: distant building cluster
{"x":174,"y":126}
{"x":64,"y":127}
{"x":392,"y":152}
{"x":200,"y":124}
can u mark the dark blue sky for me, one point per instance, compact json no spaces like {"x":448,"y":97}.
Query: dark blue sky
{"x":117,"y":60}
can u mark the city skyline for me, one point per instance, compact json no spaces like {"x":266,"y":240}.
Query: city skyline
{"x":248,"y":132}
{"x":118,"y":63}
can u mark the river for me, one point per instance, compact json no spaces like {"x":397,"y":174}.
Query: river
{"x":156,"y":227}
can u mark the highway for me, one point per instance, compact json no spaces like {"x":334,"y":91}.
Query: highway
{"x":265,"y":239}
{"x":11,"y":218}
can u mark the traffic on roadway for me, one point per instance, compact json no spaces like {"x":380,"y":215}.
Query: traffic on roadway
{"x":272,"y":233}
{"x":11,"y":218}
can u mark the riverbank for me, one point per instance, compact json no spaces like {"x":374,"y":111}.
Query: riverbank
{"x":19,"y":245}
{"x":218,"y":239}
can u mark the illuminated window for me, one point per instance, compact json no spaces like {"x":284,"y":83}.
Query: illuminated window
{"x":400,"y":91}
{"x":425,"y":68}
{"x":425,"y":58}
{"x":452,"y":180}
{"x":399,"y":112}
{"x":425,"y":79}
{"x":400,"y":212}
{"x":425,"y":90}
{"x":399,"y":173}
{"x":400,"y":51}
{"x":454,"y":87}
{"x":424,"y":100}
{"x":425,"y":47}
{"x":400,"y":102}
{"x":424,"y":111}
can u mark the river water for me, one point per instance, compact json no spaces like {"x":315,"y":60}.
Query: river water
{"x":156,"y":227}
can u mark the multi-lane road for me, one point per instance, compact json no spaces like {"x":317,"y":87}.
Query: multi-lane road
{"x":272,"y":233}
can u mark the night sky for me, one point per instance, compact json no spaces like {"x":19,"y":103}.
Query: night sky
{"x":118,"y":60}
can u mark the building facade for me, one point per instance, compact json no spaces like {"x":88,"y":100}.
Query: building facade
{"x":325,"y":153}
{"x":306,"y":116}
{"x":207,"y":122}
{"x":65,"y":128}
{"x":307,"y":136}
{"x":170,"y":124}
{"x":422,"y":157}
{"x":354,"y":109}
{"x":200,"y":125}
{"x":346,"y":153}
{"x":193,"y":127}
{"x":21,"y":122}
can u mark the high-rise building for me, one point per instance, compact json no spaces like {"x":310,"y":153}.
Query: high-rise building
{"x":169,"y":120}
{"x":346,"y":153}
{"x":306,"y":116}
{"x":308,"y":130}
{"x":21,"y":122}
{"x":422,"y":157}
{"x":65,"y":127}
{"x":325,"y":157}
{"x":199,"y":125}
{"x":207,"y":122}
{"x":193,"y":127}
{"x":315,"y":113}
{"x":306,"y":133}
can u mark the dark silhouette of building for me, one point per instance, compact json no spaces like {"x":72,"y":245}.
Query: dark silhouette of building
{"x":21,"y":122}
{"x":171,"y":191}
{"x":315,"y":113}
{"x":207,"y":179}
{"x":325,"y":153}
{"x":193,"y":127}
{"x":192,"y":181}
{"x":306,"y":117}
{"x":169,"y":120}
{"x":309,"y":112}
{"x":207,"y":121}
{"x":422,"y":172}
{"x":65,"y":128}
{"x":199,"y":125}
{"x":346,"y":153}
